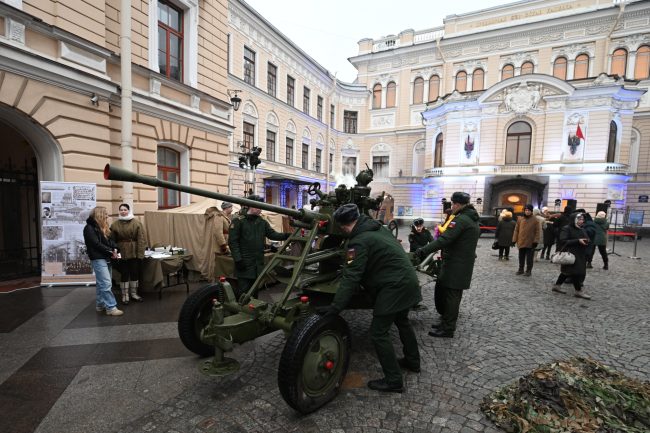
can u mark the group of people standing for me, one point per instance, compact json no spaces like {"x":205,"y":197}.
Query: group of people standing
{"x":122,"y":243}
{"x":573,"y":231}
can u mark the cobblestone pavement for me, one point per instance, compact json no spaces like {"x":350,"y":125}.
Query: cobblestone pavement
{"x":508,"y":326}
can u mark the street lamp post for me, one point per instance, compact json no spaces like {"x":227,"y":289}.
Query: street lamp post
{"x":249,"y":160}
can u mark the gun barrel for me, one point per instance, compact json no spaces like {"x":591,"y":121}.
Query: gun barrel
{"x":117,"y":173}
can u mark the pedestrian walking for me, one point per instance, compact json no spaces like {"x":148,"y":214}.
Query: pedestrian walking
{"x":548,"y":234}
{"x":538,"y":214}
{"x":600,"y":240}
{"x":376,"y":261}
{"x":527,"y":236}
{"x":101,"y":250}
{"x":503,"y":235}
{"x":574,"y":239}
{"x":458,"y":244}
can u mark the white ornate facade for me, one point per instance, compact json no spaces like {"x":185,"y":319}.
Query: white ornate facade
{"x":544,"y":68}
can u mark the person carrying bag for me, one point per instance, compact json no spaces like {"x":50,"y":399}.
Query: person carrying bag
{"x":573,"y":240}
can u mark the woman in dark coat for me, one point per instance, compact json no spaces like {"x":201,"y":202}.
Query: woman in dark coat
{"x":549,"y":235}
{"x":574,"y":239}
{"x":503,"y":235}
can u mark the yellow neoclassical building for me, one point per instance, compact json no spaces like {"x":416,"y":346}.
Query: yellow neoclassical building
{"x":534,"y":101}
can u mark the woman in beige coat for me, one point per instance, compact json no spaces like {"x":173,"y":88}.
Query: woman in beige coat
{"x":527,"y":236}
{"x":128,"y":234}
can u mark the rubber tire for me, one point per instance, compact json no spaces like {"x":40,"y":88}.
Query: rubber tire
{"x":195,"y":314}
{"x":393,"y":228}
{"x":295,"y":350}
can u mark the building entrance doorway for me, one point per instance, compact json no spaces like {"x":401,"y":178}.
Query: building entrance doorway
{"x":20,"y":244}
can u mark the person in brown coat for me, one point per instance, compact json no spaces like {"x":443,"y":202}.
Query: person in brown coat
{"x":127,"y":232}
{"x":221,"y":225}
{"x":526,"y":236}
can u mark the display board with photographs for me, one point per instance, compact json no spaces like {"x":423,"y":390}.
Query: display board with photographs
{"x":65,"y":206}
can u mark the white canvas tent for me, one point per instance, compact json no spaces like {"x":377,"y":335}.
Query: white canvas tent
{"x":190,"y":227}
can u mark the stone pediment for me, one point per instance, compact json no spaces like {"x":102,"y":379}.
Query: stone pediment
{"x":525,"y":93}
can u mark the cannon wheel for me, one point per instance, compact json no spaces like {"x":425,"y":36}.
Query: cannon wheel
{"x":392,"y":227}
{"x":314,"y":362}
{"x":194,"y":316}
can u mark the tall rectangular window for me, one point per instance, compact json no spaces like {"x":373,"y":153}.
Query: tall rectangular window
{"x":305,"y":100}
{"x":349,"y":165}
{"x":270,"y":145}
{"x":291,"y":90}
{"x":319,"y":155}
{"x":380,"y":166}
{"x":170,"y":171}
{"x":305,"y":156}
{"x":319,"y":108}
{"x":271,"y":79}
{"x":170,"y":41}
{"x":289,"y":151}
{"x":249,"y":135}
{"x":332,"y":116}
{"x":350,"y":122}
{"x":249,"y":66}
{"x":331,"y":163}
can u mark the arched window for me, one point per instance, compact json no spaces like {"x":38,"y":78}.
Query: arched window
{"x":619,"y":62}
{"x":527,"y":68}
{"x":559,"y":68}
{"x":390,"y":94}
{"x":518,"y":143}
{"x":508,"y":71}
{"x":418,"y":90}
{"x":642,"y":68}
{"x":434,"y":87}
{"x":376,"y":96}
{"x":169,"y":169}
{"x":437,"y":153}
{"x":461,"y":81}
{"x":611,"y":146}
{"x":477,"y":79}
{"x":581,"y":69}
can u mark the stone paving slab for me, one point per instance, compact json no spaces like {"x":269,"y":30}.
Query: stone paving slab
{"x":508,"y":326}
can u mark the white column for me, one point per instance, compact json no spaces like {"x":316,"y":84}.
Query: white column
{"x":470,"y":77}
{"x":384,"y":90}
{"x":425,"y":92}
{"x":631,"y":65}
{"x":570,"y":69}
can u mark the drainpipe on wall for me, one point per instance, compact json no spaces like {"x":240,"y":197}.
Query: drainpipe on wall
{"x":127,"y":96}
{"x":327,"y":135}
{"x":608,"y":38}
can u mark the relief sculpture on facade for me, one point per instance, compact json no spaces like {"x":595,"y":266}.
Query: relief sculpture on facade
{"x":523,"y":98}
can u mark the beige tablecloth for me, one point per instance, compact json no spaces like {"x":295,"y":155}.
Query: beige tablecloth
{"x":225,"y":266}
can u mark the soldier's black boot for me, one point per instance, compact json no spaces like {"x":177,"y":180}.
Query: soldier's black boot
{"x":382,"y":385}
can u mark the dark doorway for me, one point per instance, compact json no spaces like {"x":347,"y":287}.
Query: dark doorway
{"x":20,"y":245}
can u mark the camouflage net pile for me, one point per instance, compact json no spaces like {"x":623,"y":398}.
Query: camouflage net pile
{"x":580,"y":395}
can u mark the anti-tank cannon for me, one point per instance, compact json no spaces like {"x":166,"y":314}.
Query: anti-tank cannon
{"x":315,"y":357}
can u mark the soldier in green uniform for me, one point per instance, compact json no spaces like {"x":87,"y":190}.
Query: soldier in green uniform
{"x":376,"y":261}
{"x":458,"y":245}
{"x":246,"y":241}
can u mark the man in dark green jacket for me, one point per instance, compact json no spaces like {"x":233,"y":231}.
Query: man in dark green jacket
{"x":376,"y":261}
{"x":458,"y":245}
{"x":246,"y":237}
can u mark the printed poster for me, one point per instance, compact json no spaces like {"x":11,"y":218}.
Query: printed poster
{"x":65,"y":206}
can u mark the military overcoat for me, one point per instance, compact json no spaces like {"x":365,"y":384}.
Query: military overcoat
{"x":458,"y":245}
{"x":377,"y":262}
{"x":246,"y":241}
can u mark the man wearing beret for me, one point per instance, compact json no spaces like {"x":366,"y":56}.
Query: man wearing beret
{"x":376,"y":261}
{"x":246,"y":241}
{"x":458,"y":245}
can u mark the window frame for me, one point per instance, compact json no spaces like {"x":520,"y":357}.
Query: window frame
{"x":457,"y":81}
{"x":180,"y":34}
{"x":391,"y":94}
{"x":532,"y":68}
{"x":475,"y":79}
{"x":381,"y":167}
{"x":511,"y":69}
{"x":332,"y":116}
{"x":304,"y":159}
{"x":319,"y":108}
{"x":271,"y":138}
{"x":350,"y":121}
{"x":519,"y":135}
{"x":166,"y":170}
{"x":557,"y":67}
{"x":437,"y":87}
{"x":271,"y":79}
{"x":288,"y":156}
{"x":249,"y":66}
{"x":640,"y":59}
{"x":612,"y":142}
{"x":291,"y":90}
{"x":437,"y":150}
{"x":376,"y":96}
{"x":306,"y":99}
{"x":619,"y":58}
{"x":418,"y":90}
{"x":580,"y":62}
{"x":318,"y":160}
